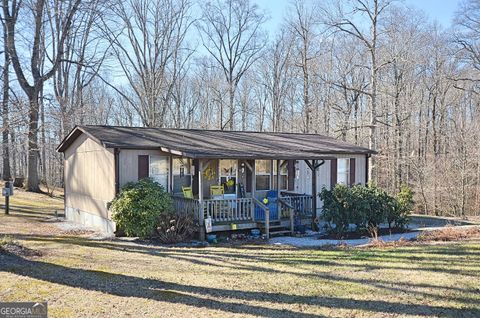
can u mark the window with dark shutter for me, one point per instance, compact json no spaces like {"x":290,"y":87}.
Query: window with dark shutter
{"x":143,"y":166}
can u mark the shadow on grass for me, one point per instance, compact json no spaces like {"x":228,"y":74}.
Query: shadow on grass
{"x":131,"y":286}
{"x":37,"y":213}
{"x":362,"y":259}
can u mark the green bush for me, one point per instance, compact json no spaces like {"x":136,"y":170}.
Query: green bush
{"x":337,"y":207}
{"x":406,"y":205}
{"x":138,"y":206}
{"x":366,"y":207}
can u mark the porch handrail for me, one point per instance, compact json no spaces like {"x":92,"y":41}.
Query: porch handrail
{"x":291,"y":194}
{"x":267,"y":215}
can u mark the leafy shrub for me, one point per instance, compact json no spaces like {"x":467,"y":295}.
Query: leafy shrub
{"x":138,"y":206}
{"x":366,"y":207}
{"x":337,"y":207}
{"x":173,"y":228}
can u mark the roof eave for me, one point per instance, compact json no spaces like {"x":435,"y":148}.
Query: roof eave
{"x":73,"y":135}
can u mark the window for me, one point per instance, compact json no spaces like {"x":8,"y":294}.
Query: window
{"x":159,"y":170}
{"x":343,"y":171}
{"x":263,"y":169}
{"x":228,"y":175}
{"x":283,"y":176}
{"x":182,"y":174}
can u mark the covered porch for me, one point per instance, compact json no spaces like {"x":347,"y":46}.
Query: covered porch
{"x":236,"y":194}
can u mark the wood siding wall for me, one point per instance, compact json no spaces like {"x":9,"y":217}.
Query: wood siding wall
{"x":89,"y":176}
{"x":128,"y":161}
{"x":303,"y":183}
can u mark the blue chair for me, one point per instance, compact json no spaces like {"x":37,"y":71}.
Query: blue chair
{"x":272,"y":206}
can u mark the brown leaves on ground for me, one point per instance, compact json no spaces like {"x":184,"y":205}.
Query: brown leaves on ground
{"x":450,"y":233}
{"x":9,"y":246}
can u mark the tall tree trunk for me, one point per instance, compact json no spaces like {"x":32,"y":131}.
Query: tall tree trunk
{"x":231,"y":105}
{"x":6,"y":175}
{"x":43,"y":139}
{"x":33,"y":151}
{"x":14,"y":152}
{"x":373,"y":96}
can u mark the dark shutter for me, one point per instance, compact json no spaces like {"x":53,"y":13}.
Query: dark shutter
{"x":291,"y":175}
{"x":352,"y":171}
{"x":143,"y":166}
{"x":333,"y":173}
{"x":196,"y":165}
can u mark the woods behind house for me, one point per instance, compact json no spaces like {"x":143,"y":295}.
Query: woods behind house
{"x":377,"y":73}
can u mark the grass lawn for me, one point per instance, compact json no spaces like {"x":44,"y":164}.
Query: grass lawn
{"x":80,"y":277}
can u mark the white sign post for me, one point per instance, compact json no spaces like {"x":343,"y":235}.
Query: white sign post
{"x":7,"y":192}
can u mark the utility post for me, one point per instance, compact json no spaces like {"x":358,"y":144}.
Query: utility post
{"x":7,"y":191}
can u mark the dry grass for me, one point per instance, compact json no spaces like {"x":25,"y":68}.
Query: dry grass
{"x":85,"y":278}
{"x":450,"y":233}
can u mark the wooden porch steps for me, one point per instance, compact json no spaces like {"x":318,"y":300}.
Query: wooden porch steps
{"x":280,"y":233}
{"x":276,"y":228}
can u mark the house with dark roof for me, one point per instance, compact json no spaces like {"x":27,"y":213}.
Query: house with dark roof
{"x":226,"y":180}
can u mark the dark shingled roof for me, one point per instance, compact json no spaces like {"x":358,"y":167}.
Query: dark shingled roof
{"x":197,"y":143}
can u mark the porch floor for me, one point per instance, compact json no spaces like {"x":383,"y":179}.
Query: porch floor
{"x":223,"y":226}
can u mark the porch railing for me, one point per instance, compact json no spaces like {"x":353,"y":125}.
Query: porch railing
{"x":186,"y":206}
{"x":242,"y":209}
{"x":226,"y":210}
{"x":301,"y":203}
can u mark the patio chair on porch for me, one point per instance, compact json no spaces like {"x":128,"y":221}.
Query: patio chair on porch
{"x":271,"y":203}
{"x":217,"y":191}
{"x":187,"y":192}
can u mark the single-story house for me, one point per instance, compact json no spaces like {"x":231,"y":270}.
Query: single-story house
{"x":248,"y":166}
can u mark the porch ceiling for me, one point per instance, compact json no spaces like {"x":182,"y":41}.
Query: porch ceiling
{"x":195,"y":143}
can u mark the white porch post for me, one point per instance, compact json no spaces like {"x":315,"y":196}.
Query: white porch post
{"x":170,"y":174}
{"x":313,"y":167}
{"x":278,"y":189}
{"x":271,"y":175}
{"x":253,"y":185}
{"x":200,"y":199}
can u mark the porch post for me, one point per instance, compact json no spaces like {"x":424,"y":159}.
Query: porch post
{"x":270,"y":186}
{"x":278,"y":189}
{"x":254,"y":186}
{"x":314,"y":191}
{"x":200,"y":199}
{"x":313,"y":167}
{"x":170,"y":175}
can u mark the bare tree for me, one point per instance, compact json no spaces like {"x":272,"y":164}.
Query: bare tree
{"x":231,"y":33}
{"x":345,"y":20}
{"x":467,"y":33}
{"x":150,"y":49}
{"x":33,"y":87}
{"x":6,"y":172}
{"x":275,"y":74}
{"x":303,"y":23}
{"x":85,"y":52}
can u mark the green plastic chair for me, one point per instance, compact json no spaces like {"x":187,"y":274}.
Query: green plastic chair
{"x":187,"y":192}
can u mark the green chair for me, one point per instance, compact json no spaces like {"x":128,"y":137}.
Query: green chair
{"x":187,"y":192}
{"x":217,"y":190}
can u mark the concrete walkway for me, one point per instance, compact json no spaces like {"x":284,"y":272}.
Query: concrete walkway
{"x":312,"y":241}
